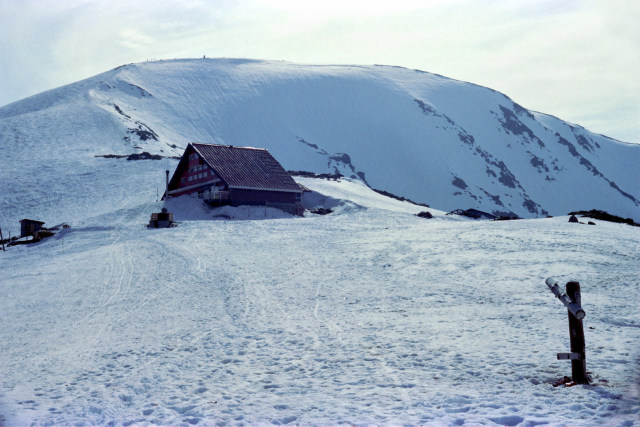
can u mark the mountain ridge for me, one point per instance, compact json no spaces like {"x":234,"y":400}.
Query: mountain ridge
{"x":435,"y":140}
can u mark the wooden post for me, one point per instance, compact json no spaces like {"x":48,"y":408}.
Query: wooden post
{"x":2,"y":240}
{"x":576,"y":334}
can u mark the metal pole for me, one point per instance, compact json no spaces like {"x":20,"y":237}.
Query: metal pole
{"x":2,"y":240}
{"x":576,"y":334}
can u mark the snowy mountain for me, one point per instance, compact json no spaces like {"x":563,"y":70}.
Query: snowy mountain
{"x":432,"y":139}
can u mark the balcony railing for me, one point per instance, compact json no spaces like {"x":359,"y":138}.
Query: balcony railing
{"x":216,"y":197}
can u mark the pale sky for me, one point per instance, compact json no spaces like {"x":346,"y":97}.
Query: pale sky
{"x":576,"y":59}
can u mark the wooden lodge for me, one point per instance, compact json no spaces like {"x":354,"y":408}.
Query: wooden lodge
{"x":229,"y":175}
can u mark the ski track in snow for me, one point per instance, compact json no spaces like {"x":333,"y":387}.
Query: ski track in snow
{"x":365,"y":316}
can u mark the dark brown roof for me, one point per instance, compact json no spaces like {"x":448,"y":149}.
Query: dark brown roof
{"x":246,"y":167}
{"x":31,"y":220}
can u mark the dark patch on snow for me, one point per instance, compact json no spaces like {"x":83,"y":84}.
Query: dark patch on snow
{"x":112,"y":156}
{"x":570,"y":146}
{"x":521,"y":110}
{"x":120,"y":111}
{"x":458,"y":182}
{"x":425,"y":108}
{"x":144,"y":132}
{"x":605,"y":216}
{"x":425,"y":214}
{"x":321,"y":211}
{"x":342,"y":158}
{"x":429,"y":111}
{"x":585,"y":141}
{"x":301,"y":140}
{"x":512,"y":124}
{"x":402,"y":199}
{"x":141,"y":91}
{"x":587,"y":164}
{"x":144,"y":156}
{"x":463,"y":135}
{"x":625,"y":194}
{"x":137,"y":156}
{"x":472,"y":213}
{"x":506,"y":177}
{"x":538,"y":163}
{"x":337,"y":161}
{"x":531,"y":206}
{"x":466,"y":137}
{"x":495,"y":198}
{"x":345,"y":160}
{"x":505,"y":215}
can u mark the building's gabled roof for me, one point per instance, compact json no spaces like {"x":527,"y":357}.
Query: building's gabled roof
{"x":246,"y":167}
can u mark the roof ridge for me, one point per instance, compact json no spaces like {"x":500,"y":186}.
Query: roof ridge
{"x":228,"y":146}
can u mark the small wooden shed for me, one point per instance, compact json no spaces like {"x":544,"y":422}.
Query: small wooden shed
{"x":162,"y":219}
{"x":28,"y":227}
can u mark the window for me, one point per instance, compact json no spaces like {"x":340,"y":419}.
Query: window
{"x":183,"y":179}
{"x":190,"y":178}
{"x":204,"y":173}
{"x":199,"y":176}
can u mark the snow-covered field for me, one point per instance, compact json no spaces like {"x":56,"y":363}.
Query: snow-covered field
{"x":369,"y":315}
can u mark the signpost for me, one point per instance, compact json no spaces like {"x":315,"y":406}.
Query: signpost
{"x":572,"y":300}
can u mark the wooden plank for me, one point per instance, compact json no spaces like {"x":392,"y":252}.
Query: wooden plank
{"x":569,"y":356}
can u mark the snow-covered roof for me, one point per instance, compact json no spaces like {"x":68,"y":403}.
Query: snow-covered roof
{"x":246,"y":167}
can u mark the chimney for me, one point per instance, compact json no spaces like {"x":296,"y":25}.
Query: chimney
{"x":166,"y":194}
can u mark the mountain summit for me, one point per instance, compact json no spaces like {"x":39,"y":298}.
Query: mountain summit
{"x":444,"y":142}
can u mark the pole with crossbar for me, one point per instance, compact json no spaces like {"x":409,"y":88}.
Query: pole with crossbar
{"x":573,"y":301}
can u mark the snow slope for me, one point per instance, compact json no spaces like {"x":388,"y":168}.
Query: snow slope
{"x":435,"y":140}
{"x":369,"y":315}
